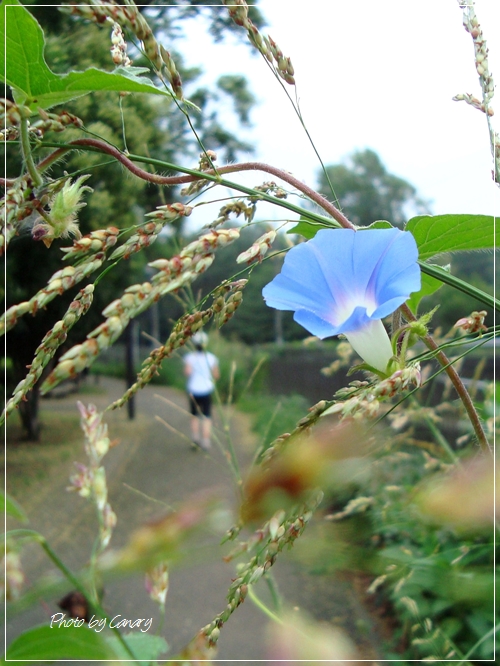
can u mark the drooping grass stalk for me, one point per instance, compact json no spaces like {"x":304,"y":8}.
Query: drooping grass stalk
{"x":473,"y":27}
{"x":230,"y":452}
{"x":273,"y":589}
{"x":254,"y":373}
{"x":172,"y":429}
{"x":487,"y":635}
{"x":124,"y":133}
{"x":93,"y":566}
{"x":262,"y":606}
{"x":260,"y":450}
{"x":323,"y":168}
{"x":180,"y":104}
{"x":296,"y":107}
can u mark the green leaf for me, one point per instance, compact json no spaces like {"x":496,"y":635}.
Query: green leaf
{"x":34,"y":84}
{"x":429,"y":286}
{"x":145,"y":647}
{"x":44,"y":643}
{"x":437,"y":234}
{"x":308,"y":229}
{"x":378,"y":224}
{"x":12,"y":508}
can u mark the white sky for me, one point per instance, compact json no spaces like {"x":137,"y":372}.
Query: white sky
{"x":371,"y":74}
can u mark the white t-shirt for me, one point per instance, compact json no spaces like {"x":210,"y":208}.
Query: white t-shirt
{"x":202,"y":363}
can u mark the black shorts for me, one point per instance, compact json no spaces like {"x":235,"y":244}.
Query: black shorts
{"x":200,"y":404}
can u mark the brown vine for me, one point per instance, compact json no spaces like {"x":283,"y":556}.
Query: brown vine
{"x":212,"y":174}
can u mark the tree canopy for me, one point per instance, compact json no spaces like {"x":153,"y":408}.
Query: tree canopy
{"x":367,"y":192}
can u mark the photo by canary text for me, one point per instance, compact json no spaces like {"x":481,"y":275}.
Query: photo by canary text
{"x":59,"y":620}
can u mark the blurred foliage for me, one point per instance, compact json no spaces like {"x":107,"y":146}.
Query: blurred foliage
{"x":273,"y":415}
{"x":435,"y":577}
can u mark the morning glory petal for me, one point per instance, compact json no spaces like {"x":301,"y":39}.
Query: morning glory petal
{"x":397,"y":270}
{"x":372,"y":343}
{"x":288,"y":294}
{"x":301,"y":284}
{"x":342,"y":281}
{"x":315,"y":324}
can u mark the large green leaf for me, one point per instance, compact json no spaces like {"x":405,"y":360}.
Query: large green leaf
{"x":34,"y":83}
{"x":437,"y":234}
{"x":44,"y":643}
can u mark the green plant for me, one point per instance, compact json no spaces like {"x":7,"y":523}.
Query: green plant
{"x":411,"y":520}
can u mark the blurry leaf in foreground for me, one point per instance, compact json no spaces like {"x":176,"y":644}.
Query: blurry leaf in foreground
{"x":328,"y":458}
{"x":48,"y":644}
{"x":163,"y":539}
{"x":464,"y":498}
{"x":301,"y":639}
{"x":146,"y":647}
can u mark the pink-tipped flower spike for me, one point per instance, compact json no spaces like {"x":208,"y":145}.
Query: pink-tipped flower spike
{"x":345,"y":281}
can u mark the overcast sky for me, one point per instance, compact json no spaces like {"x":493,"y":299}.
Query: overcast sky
{"x":377,"y":75}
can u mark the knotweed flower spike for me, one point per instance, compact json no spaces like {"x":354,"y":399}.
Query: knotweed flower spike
{"x":345,"y":281}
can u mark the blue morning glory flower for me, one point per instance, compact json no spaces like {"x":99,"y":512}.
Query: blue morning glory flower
{"x":345,"y":281}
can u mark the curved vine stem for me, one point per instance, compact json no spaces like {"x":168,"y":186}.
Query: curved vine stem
{"x":213,"y":175}
{"x":457,"y":383}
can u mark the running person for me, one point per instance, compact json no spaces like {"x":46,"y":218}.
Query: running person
{"x":202,"y":370}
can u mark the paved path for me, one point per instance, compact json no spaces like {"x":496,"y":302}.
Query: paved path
{"x":152,"y":468}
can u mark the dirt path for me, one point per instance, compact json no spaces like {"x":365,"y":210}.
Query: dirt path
{"x":152,"y":468}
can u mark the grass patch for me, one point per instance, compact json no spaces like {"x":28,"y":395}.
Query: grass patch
{"x":273,"y":415}
{"x":32,"y":462}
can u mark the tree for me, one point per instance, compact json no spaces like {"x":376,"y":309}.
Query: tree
{"x":367,"y":192}
{"x":137,"y":123}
